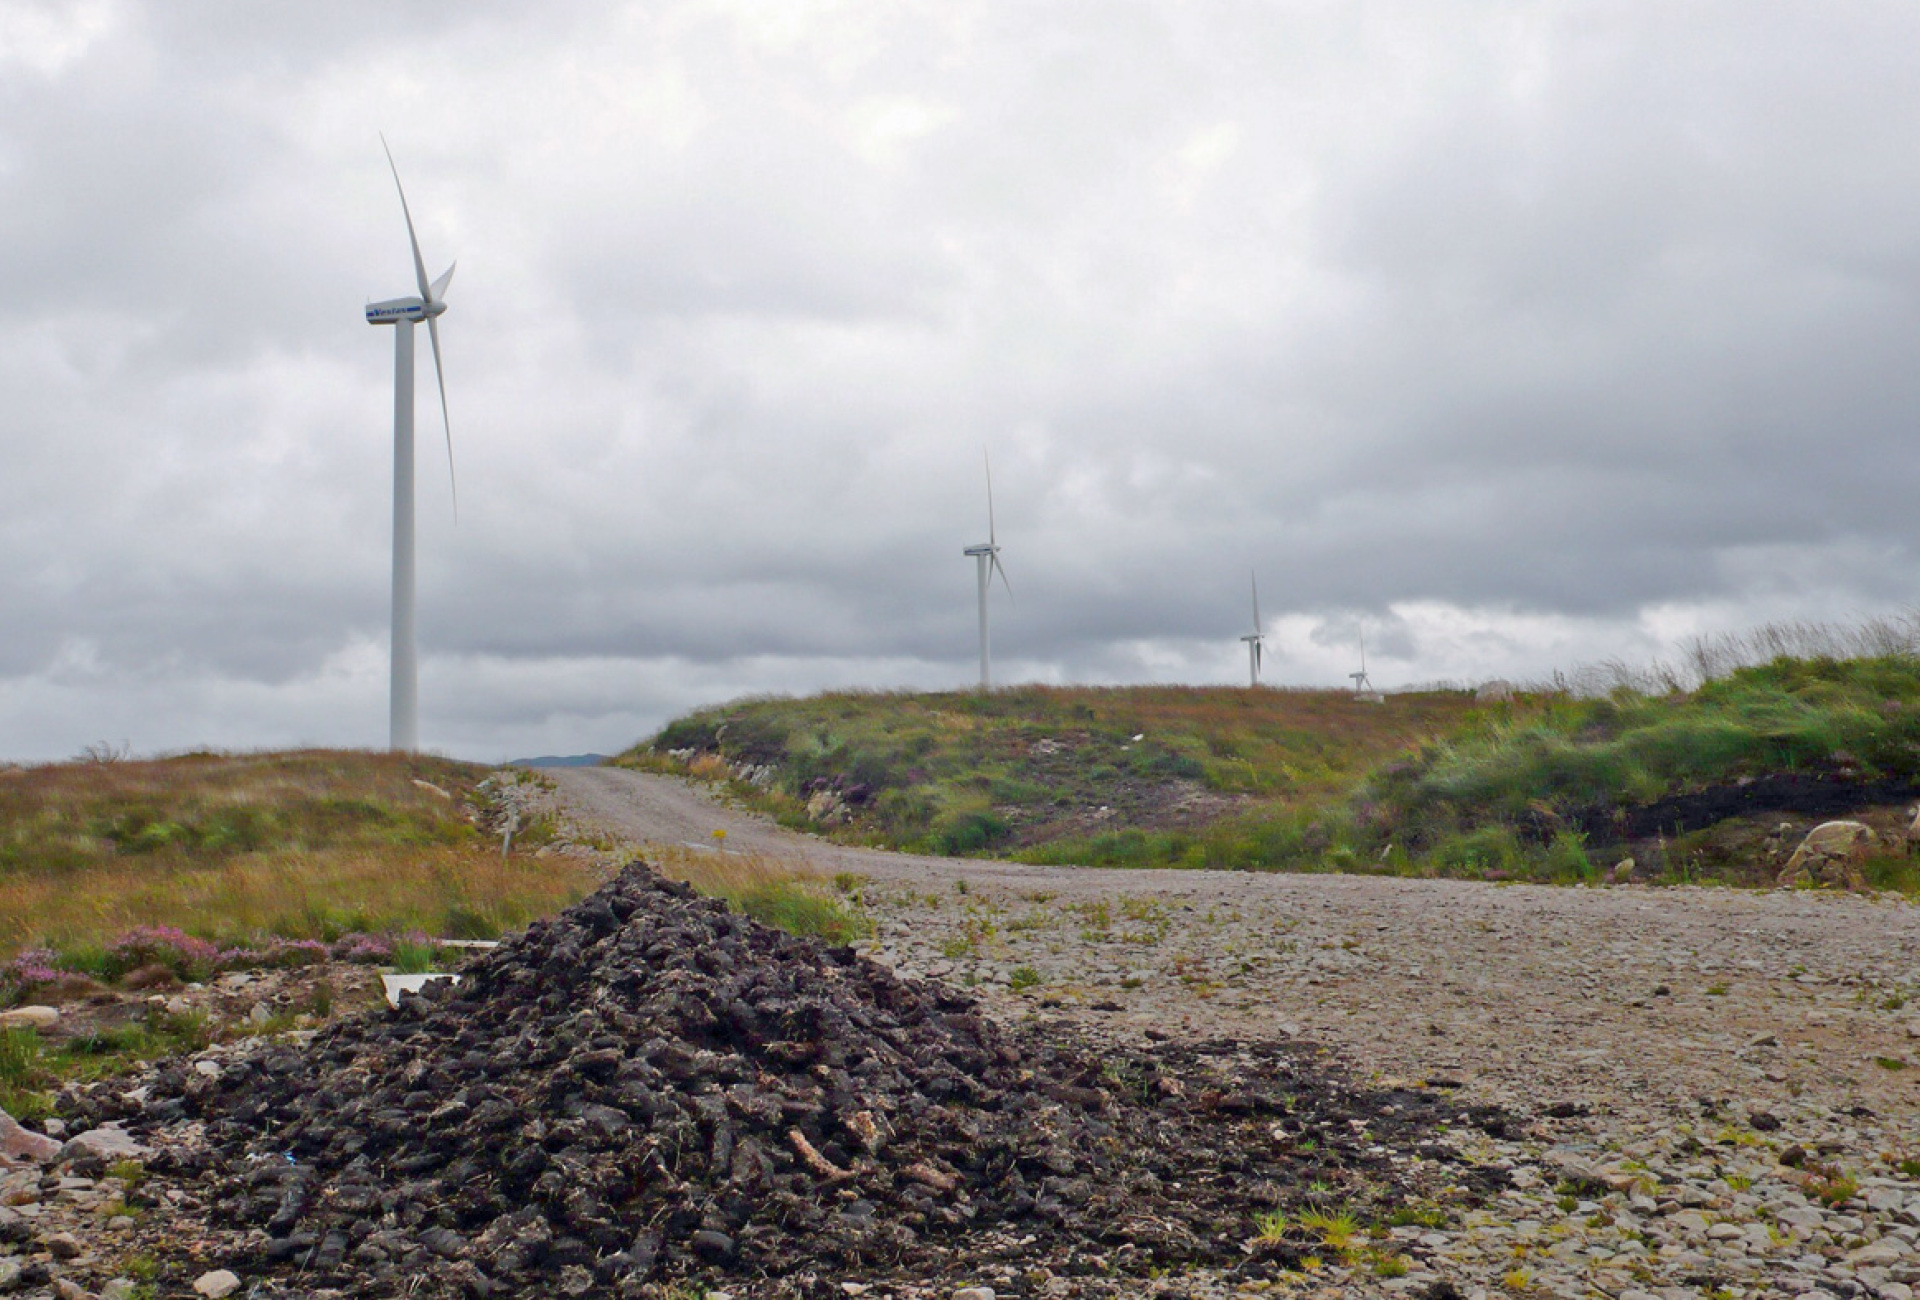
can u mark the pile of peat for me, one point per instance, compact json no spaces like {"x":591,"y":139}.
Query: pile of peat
{"x":649,"y":1087}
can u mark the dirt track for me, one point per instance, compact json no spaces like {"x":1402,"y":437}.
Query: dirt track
{"x":1649,"y":1016}
{"x":1532,"y":989}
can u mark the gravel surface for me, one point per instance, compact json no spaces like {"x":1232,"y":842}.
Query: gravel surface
{"x":1701,"y":1076}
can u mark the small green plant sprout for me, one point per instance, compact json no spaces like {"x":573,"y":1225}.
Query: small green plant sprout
{"x":1270,"y":1227}
{"x":1417,"y":1216}
{"x":1022,"y":978}
{"x":1336,"y":1229}
{"x":1909,"y":1167}
{"x":1890,"y":1062}
{"x":1390,"y":1266}
{"x":719,"y":835}
{"x":1829,"y":1184}
{"x":1716,"y":990}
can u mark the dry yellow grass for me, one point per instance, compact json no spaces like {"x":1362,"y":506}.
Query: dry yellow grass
{"x":308,"y":844}
{"x":448,"y":892}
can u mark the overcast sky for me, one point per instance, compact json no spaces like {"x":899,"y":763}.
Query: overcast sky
{"x":1520,"y":336}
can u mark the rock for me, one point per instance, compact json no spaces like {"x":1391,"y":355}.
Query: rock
{"x":217,"y":1284}
{"x":9,"y":1273}
{"x":827,"y":808}
{"x":714,"y":1247}
{"x":65,"y":1288}
{"x":121,"y":1288}
{"x":107,"y":1143}
{"x":1830,"y":857}
{"x":1877,"y":1255}
{"x":64,"y":1245}
{"x":34,"y":1017}
{"x":974,"y":1293}
{"x":17,"y":1143}
{"x":1623,"y":872}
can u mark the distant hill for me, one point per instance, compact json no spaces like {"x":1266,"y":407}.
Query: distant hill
{"x":559,"y":760}
{"x":1543,"y":786}
{"x":1126,"y":775}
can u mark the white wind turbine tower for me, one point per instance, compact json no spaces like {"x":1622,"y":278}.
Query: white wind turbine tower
{"x":403,"y":314}
{"x":987,"y":561}
{"x":1362,"y":688}
{"x":1254,"y":641}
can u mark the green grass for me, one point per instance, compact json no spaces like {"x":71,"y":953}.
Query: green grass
{"x":30,"y":1070}
{"x":1425,"y":784}
{"x":1027,"y":771}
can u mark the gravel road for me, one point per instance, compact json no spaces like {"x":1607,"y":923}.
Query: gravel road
{"x":1665,"y":1050}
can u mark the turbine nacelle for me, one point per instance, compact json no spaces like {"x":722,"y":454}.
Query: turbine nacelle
{"x":395,"y":310}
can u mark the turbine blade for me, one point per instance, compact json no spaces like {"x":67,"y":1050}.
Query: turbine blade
{"x":433,"y":333}
{"x":1258,"y":655}
{"x":1256,"y":605}
{"x":419,"y":267}
{"x":992,"y":538}
{"x":997,"y":568}
{"x":439,"y":287}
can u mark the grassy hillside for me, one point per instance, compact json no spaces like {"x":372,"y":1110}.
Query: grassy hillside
{"x":307,"y":845}
{"x":1547,"y":786}
{"x":1685,"y":779}
{"x":1141,"y":774}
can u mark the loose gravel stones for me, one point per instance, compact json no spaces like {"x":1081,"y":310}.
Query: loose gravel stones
{"x":650,"y":1087}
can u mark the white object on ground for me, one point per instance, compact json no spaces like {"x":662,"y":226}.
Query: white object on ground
{"x":395,"y":985}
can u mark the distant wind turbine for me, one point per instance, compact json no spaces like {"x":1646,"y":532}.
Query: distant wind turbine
{"x":987,"y":561}
{"x":404,"y":314}
{"x":1363,"y":688}
{"x":1254,"y":641}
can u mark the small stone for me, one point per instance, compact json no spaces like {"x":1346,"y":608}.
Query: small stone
{"x":1623,"y":872}
{"x":33,"y":1017}
{"x":65,"y":1288}
{"x":1764,"y":1121}
{"x":1764,"y":1040}
{"x":974,"y":1293}
{"x":64,"y":1245}
{"x":217,"y":1284}
{"x":1877,"y":1255}
{"x":106,"y":1142}
{"x":17,"y":1143}
{"x":9,"y":1273}
{"x":714,"y":1247}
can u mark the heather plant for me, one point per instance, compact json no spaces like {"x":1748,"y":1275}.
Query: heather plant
{"x":185,"y":956}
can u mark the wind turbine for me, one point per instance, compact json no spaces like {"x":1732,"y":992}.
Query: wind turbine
{"x":987,"y":561}
{"x":403,"y":314}
{"x":1362,"y":688}
{"x":1254,"y":641}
